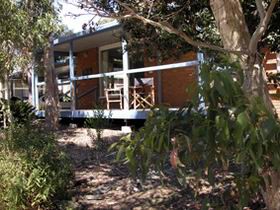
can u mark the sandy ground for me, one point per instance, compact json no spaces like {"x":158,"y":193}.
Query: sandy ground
{"x":100,"y":183}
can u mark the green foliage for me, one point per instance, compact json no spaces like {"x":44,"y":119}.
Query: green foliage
{"x":25,"y":28}
{"x":99,"y":122}
{"x":228,"y":131}
{"x":22,"y":111}
{"x":33,"y":171}
{"x":194,"y":17}
{"x":11,"y":21}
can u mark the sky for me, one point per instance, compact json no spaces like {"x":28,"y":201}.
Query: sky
{"x":73,"y":23}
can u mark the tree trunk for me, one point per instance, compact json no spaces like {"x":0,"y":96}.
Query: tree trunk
{"x":235,"y":35}
{"x":51,"y":95}
{"x":255,"y":83}
{"x":271,"y":193}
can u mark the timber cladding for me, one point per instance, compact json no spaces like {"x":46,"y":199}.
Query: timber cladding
{"x":177,"y":85}
{"x":87,"y":63}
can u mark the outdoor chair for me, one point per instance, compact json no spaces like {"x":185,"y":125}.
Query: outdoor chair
{"x":113,"y":94}
{"x":143,"y":93}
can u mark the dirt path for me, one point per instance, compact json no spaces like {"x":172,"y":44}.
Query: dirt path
{"x":102,"y":184}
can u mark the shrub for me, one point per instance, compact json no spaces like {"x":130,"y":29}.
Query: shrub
{"x":229,"y":130}
{"x":22,"y":111}
{"x":99,"y":122}
{"x":33,"y":171}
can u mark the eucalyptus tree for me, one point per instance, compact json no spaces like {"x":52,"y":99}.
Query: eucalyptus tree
{"x":26,"y":31}
{"x":13,"y":42}
{"x":44,"y":21}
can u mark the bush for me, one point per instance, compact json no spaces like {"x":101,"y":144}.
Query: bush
{"x":230,"y":130}
{"x":99,"y":122}
{"x":22,"y":111}
{"x":33,"y":172}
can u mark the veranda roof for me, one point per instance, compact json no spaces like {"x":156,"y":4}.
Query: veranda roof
{"x":103,"y":35}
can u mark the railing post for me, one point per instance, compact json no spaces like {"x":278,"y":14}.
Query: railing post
{"x":125,"y":75}
{"x":71,"y":77}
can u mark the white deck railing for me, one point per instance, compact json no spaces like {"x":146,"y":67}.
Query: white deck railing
{"x":125,"y":74}
{"x":130,"y":71}
{"x":139,"y":70}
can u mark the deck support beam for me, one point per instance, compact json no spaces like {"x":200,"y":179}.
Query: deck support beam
{"x":71,"y":77}
{"x":125,"y":75}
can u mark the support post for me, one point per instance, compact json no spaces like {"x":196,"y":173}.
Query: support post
{"x":30,"y":86}
{"x":33,"y":85}
{"x":36,"y":92}
{"x":200,"y":58}
{"x":7,"y":88}
{"x":159,"y":80}
{"x":125,"y":75}
{"x":12,"y":87}
{"x":71,"y":77}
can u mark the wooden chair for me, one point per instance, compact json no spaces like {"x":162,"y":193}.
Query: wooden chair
{"x":143,"y":93}
{"x":113,"y":94}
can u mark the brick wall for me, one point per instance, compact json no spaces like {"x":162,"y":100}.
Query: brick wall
{"x":270,"y":65}
{"x":175,"y":82}
{"x":87,"y":63}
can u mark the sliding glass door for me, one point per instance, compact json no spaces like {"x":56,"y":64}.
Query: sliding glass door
{"x":110,"y":61}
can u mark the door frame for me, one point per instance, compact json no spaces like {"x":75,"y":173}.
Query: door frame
{"x":100,"y":49}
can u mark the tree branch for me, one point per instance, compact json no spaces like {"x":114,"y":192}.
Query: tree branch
{"x":260,"y":8}
{"x":150,"y":9}
{"x":257,"y":35}
{"x":170,"y":29}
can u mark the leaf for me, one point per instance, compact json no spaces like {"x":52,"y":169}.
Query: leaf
{"x":243,"y":120}
{"x":120,"y":152}
{"x":253,"y":156}
{"x":113,"y":146}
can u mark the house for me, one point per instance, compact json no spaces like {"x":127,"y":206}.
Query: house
{"x":18,"y":85}
{"x":96,"y":68}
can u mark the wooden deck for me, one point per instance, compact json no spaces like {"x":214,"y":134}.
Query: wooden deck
{"x":132,"y":114}
{"x":113,"y":114}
